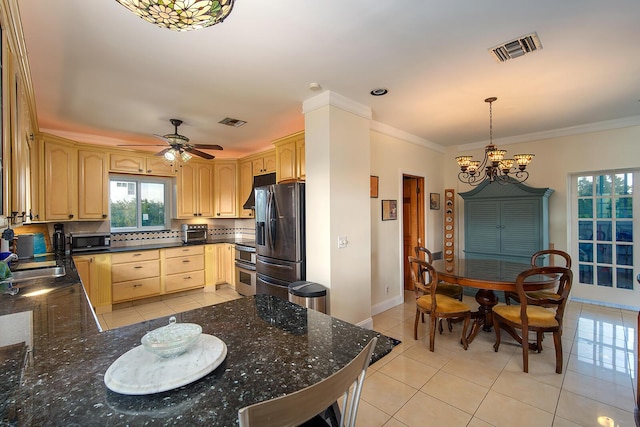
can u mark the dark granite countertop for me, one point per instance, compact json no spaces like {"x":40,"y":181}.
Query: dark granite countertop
{"x":142,"y":247}
{"x":274,"y":347}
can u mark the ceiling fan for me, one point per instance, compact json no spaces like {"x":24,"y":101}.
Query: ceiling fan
{"x":179,"y":145}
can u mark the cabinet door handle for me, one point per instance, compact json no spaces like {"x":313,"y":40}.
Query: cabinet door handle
{"x":185,"y":261}
{"x":187,"y":277}
{"x":138,"y":266}
{"x":138,"y":254}
{"x":137,"y":285}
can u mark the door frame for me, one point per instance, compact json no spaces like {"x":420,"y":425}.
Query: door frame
{"x":418,"y":235}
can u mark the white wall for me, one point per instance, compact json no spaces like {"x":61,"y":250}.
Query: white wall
{"x":391,"y":156}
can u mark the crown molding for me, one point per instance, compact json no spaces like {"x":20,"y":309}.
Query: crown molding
{"x":334,"y":99}
{"x":405,"y":136}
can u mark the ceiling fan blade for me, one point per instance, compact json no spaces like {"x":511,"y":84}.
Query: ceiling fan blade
{"x":207,"y":147}
{"x":140,"y":145}
{"x":161,"y":153}
{"x":161,"y":137}
{"x":199,"y":153}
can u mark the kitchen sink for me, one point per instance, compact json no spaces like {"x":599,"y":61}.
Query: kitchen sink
{"x":37,"y":273}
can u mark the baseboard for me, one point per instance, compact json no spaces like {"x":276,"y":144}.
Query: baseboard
{"x":386,"y":305}
{"x":366,"y":323}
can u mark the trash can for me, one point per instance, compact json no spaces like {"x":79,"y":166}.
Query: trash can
{"x":309,"y":294}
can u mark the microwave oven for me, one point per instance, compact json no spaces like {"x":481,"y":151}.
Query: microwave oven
{"x":89,"y":242}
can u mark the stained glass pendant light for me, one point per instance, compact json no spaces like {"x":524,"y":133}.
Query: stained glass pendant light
{"x":180,"y":15}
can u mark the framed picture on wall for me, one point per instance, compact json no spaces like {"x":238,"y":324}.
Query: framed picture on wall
{"x":373,"y":183}
{"x":389,"y":210}
{"x":434,"y":201}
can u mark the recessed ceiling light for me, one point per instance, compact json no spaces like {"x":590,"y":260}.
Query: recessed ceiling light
{"x":379,"y":92}
{"x":314,"y":86}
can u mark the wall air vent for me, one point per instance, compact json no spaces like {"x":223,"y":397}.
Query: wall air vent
{"x":515,"y":48}
{"x":232,"y":122}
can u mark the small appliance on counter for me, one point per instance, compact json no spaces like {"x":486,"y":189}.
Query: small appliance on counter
{"x":80,"y":242}
{"x":59,"y":239}
{"x":194,"y":233}
{"x":25,"y":246}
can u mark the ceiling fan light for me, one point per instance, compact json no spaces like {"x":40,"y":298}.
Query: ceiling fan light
{"x":185,"y":156}
{"x":180,"y":15}
{"x":170,"y":155}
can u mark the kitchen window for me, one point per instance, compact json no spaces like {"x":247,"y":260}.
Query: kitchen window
{"x":139,"y":203}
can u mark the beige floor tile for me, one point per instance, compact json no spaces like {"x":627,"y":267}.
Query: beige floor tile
{"x":501,"y":410}
{"x":455,"y":391}
{"x":477,"y":422}
{"x":370,"y":416}
{"x":618,"y":395}
{"x":117,"y":319}
{"x":423,"y":409}
{"x":561,"y":422}
{"x":385,"y":321}
{"x":158,"y":313}
{"x":409,"y":371}
{"x":437,"y":359}
{"x":522,"y":387}
{"x":176,"y":301}
{"x":588,"y":412}
{"x":151,"y":307}
{"x":191,"y":305}
{"x":394,"y":423}
{"x":386,"y":393}
{"x":473,"y":371}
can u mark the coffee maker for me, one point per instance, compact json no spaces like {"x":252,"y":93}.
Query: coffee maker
{"x":59,"y":239}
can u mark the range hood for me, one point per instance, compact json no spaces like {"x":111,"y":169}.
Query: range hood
{"x":258,"y":181}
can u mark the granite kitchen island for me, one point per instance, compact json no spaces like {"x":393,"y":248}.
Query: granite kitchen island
{"x":273,"y":348}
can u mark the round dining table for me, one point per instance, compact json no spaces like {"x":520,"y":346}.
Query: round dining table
{"x":487,"y":276}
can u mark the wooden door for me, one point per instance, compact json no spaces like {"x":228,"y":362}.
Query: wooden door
{"x":412,"y":221}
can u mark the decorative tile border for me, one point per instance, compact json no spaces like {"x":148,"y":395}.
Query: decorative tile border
{"x":175,"y":236}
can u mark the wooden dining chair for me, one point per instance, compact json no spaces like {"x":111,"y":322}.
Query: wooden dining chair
{"x":449,"y":289}
{"x":303,"y":405}
{"x":534,"y":315}
{"x":437,"y":306}
{"x":537,"y":260}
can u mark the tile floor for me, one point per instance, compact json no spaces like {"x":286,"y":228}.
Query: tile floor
{"x":451,"y":387}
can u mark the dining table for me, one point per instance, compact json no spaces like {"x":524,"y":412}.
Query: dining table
{"x":487,"y":276}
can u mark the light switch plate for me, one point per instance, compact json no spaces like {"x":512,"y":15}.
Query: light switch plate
{"x":342,"y":242}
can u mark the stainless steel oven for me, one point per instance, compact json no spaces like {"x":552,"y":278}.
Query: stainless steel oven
{"x":245,"y":269}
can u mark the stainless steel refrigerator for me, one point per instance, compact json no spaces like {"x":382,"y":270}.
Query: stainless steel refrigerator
{"x":280,"y":241}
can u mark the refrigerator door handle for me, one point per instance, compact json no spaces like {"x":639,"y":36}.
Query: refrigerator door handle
{"x":271,"y":226}
{"x":275,"y":265}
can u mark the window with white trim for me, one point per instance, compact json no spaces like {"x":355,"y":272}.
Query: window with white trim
{"x":139,"y":203}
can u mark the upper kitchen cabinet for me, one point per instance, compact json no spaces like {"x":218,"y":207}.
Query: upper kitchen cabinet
{"x":93,"y":184}
{"x":290,"y":162}
{"x":225,"y":188}
{"x":195,"y":190}
{"x":264,"y":163}
{"x":506,"y":221}
{"x":60,"y":180}
{"x":125,"y":162}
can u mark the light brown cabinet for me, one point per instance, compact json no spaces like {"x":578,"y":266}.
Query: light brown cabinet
{"x":184,"y":268}
{"x":139,"y":164}
{"x":225,"y":261}
{"x":225,"y":189}
{"x":93,"y":185}
{"x":264,"y":163}
{"x":195,"y":190}
{"x":135,"y":275}
{"x":60,"y":181}
{"x":290,"y":157}
{"x":95,"y":274}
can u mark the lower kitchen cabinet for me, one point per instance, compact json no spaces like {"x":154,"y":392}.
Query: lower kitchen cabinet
{"x":219,"y":264}
{"x":184,"y":268}
{"x":95,"y":273}
{"x":135,"y":275}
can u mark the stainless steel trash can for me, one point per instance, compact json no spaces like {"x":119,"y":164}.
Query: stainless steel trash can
{"x":309,"y":294}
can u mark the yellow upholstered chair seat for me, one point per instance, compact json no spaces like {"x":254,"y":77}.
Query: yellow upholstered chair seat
{"x":444,"y":304}
{"x":450,"y":290}
{"x":539,"y":317}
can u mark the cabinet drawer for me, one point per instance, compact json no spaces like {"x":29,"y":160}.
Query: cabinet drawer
{"x":122,"y":257}
{"x":178,"y":282}
{"x":183,"y":264}
{"x":135,"y":270}
{"x":184,"y":250}
{"x":134,"y":289}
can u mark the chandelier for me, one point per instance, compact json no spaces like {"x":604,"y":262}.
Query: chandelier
{"x":494,"y":167}
{"x":180,"y":15}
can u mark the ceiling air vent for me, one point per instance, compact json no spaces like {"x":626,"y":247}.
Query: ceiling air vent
{"x":515,"y":48}
{"x":232,"y":122}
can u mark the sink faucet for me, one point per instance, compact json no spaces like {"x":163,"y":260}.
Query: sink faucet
{"x":12,"y":257}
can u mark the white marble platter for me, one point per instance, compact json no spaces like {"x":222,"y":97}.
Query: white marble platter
{"x":139,"y":371}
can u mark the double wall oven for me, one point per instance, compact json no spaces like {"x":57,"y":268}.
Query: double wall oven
{"x":245,"y":269}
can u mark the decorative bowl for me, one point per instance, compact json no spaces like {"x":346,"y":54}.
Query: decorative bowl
{"x":173,"y":339}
